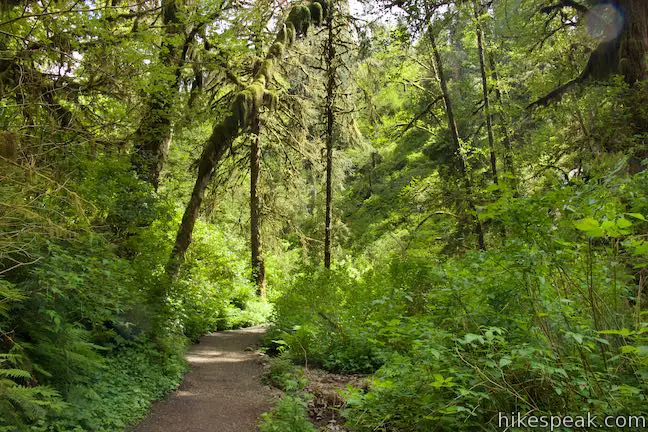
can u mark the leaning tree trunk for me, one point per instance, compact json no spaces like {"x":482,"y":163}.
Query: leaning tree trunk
{"x":258,"y":265}
{"x":222,"y":136}
{"x":625,"y":54}
{"x":485,"y":95}
{"x":240,"y":118}
{"x":454,"y":134}
{"x":330,"y":122}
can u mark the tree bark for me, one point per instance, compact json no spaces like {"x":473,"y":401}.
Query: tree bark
{"x":257,"y":262}
{"x":330,"y":122}
{"x":153,"y":136}
{"x":626,"y":54}
{"x":220,"y":140}
{"x":633,"y":47}
{"x":633,"y":65}
{"x":485,"y":95}
{"x":454,"y":133}
{"x":509,"y":164}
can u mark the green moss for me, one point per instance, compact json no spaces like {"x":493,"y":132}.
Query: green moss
{"x":241,"y":108}
{"x":282,"y":34}
{"x":300,"y":17}
{"x":231,"y":124}
{"x":265,"y":70}
{"x":326,"y":7}
{"x":256,"y":89}
{"x":286,"y":34}
{"x":270,"y":100}
{"x":276,"y":50}
{"x":316,"y":13}
{"x":291,"y":33}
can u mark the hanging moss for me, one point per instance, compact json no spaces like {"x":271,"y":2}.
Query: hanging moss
{"x":291,"y":33}
{"x":265,"y":69}
{"x":256,"y":89}
{"x":326,"y":7}
{"x":256,"y":95}
{"x":276,"y":50}
{"x":241,"y":108}
{"x":8,"y":145}
{"x":248,"y":102}
{"x":300,"y":18}
{"x":316,"y":13}
{"x":286,"y":34}
{"x":282,"y":34}
{"x":270,"y":100}
{"x":231,"y":124}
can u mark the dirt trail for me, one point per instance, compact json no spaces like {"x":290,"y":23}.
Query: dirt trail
{"x":221,"y":393}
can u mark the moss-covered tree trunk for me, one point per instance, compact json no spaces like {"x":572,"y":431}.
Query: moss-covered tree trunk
{"x":153,"y":136}
{"x":220,"y":140}
{"x":454,"y":134}
{"x":633,"y":64}
{"x":509,"y":164}
{"x":633,"y":41}
{"x":624,"y":52}
{"x":330,"y":123}
{"x":240,"y":118}
{"x":485,"y":91}
{"x":256,"y":247}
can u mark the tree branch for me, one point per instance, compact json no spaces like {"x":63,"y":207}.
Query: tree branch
{"x":421,"y":114}
{"x":565,"y":3}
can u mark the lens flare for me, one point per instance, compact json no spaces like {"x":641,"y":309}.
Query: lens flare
{"x":604,"y":22}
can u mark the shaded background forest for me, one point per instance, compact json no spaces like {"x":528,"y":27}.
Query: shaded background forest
{"x":449,"y":196}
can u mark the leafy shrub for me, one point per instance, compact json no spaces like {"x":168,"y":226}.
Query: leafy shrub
{"x":80,"y":320}
{"x":549,"y":320}
{"x":284,"y":375}
{"x":121,"y":392}
{"x":213,"y":291}
{"x":290,"y":414}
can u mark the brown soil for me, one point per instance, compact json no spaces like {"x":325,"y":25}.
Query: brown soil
{"x":327,"y":388}
{"x":221,"y":393}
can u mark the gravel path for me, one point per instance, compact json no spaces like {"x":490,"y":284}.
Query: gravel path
{"x":221,"y":393}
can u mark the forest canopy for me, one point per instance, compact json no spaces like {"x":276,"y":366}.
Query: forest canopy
{"x":448,"y":197}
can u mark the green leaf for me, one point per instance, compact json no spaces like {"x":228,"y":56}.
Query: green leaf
{"x":577,"y":337}
{"x":15,"y":373}
{"x":622,"y":332}
{"x":590,"y":226}
{"x":623,"y":223}
{"x":471,"y":337}
{"x":629,"y":349}
{"x":586,"y":224}
{"x":610,"y":228}
{"x":637,"y":216}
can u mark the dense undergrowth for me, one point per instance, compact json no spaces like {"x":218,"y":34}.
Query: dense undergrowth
{"x":474,"y":170}
{"x":547,"y":321}
{"x":86,"y":344}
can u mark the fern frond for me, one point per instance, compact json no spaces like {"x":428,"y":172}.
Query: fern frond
{"x":15,"y":373}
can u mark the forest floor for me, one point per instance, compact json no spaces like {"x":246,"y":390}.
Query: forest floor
{"x":221,"y":393}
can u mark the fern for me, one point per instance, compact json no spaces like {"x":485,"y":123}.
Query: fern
{"x":19,"y":403}
{"x":15,"y":373}
{"x":8,"y":295}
